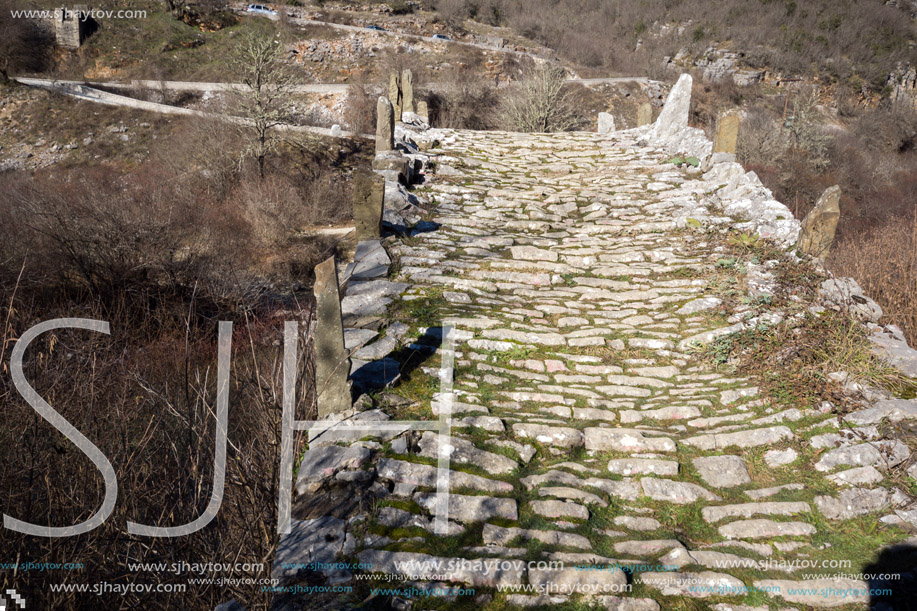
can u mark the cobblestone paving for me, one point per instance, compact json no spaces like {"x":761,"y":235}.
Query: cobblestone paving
{"x":586,"y":429}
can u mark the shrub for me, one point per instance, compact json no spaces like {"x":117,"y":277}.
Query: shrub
{"x":465,"y":100}
{"x":114,"y":236}
{"x":162,"y":253}
{"x":711,"y":98}
{"x":540,"y":102}
{"x":400,"y":7}
{"x":360,"y":106}
{"x":795,"y":151}
{"x":805,"y":131}
{"x":891,"y":127}
{"x":145,"y":396}
{"x":264,"y":97}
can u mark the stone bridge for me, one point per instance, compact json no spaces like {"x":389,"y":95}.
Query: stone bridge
{"x":584,"y":440}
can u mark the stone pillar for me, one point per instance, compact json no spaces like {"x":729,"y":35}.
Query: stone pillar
{"x":675,"y":113}
{"x":606,"y":123}
{"x":645,"y":114}
{"x":385,"y":125}
{"x":332,"y":363}
{"x":820,"y":224}
{"x":368,"y":199}
{"x":727,"y":132}
{"x":394,"y":93}
{"x":407,"y":91}
{"x":423,"y":111}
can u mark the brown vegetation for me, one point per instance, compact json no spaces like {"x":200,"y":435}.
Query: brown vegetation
{"x":360,"y":109}
{"x":145,"y":395}
{"x":537,"y":101}
{"x":540,"y":102}
{"x":872,"y":157}
{"x":464,"y":100}
{"x":857,"y":43}
{"x":162,"y":253}
{"x":884,"y":262}
{"x":263,"y":97}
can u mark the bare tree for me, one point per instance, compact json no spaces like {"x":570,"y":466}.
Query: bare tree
{"x":540,"y":102}
{"x":264,"y":98}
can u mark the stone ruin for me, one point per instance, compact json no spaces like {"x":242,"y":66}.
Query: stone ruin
{"x":71,"y":27}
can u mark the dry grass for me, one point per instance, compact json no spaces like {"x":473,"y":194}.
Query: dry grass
{"x":145,"y":395}
{"x":792,"y":361}
{"x":884,"y":262}
{"x":162,"y":253}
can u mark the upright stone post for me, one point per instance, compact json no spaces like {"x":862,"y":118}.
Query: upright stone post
{"x":423,"y":111}
{"x":332,"y":363}
{"x":368,"y":199}
{"x":385,"y":125}
{"x":394,"y":93}
{"x":644,"y":114}
{"x":606,"y":123}
{"x":407,"y":92}
{"x":820,"y":224}
{"x":675,"y":113}
{"x":727,"y":132}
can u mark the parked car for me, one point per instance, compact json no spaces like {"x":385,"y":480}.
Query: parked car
{"x":441,"y":37}
{"x":375,"y":27}
{"x":260,"y":9}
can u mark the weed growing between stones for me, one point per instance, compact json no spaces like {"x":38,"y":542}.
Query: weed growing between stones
{"x":792,"y":361}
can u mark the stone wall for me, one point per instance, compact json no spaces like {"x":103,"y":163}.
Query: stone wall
{"x":71,"y":27}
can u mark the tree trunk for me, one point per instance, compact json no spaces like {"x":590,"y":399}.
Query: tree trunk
{"x":262,"y":137}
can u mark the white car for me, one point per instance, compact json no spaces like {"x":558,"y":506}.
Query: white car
{"x":260,"y":9}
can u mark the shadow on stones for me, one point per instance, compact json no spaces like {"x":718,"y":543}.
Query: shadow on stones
{"x":341,"y":500}
{"x":425,"y":227}
{"x":895,"y":560}
{"x":399,"y":228}
{"x":346,"y":499}
{"x":418,"y":352}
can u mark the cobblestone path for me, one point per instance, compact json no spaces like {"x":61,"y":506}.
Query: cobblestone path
{"x":586,"y":431}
